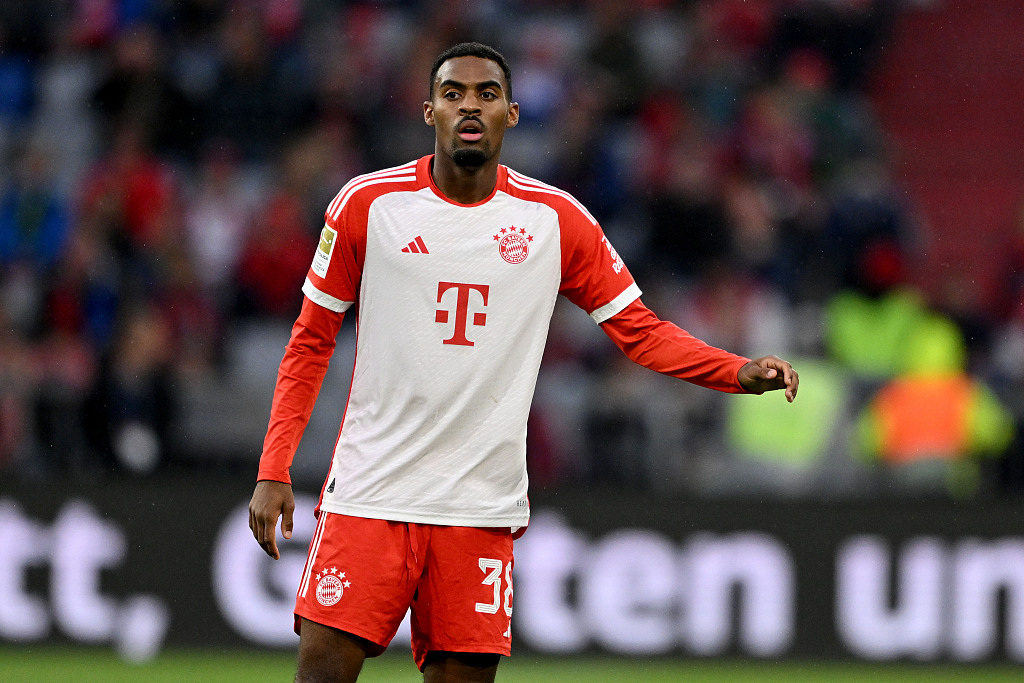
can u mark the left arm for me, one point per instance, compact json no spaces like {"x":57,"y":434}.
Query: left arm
{"x":662,"y":346}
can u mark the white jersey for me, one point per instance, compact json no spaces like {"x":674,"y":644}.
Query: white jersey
{"x":454,"y":303}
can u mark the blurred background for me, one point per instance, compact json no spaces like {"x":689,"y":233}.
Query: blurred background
{"x":839,"y":182}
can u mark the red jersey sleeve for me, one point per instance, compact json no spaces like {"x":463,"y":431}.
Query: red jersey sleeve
{"x":333,"y":278}
{"x":298,"y":384}
{"x":593,"y":274}
{"x":659,"y":345}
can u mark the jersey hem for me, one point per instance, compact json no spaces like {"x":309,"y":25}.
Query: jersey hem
{"x":426,"y":518}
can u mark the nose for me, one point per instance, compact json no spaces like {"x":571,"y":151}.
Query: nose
{"x":470,"y":105}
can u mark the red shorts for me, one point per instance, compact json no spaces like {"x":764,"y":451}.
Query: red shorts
{"x":363,"y":575}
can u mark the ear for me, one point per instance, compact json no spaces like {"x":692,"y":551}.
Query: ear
{"x":428,"y":114}
{"x":512,"y":118}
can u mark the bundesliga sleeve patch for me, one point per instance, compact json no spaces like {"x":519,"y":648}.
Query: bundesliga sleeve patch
{"x":322,"y":257}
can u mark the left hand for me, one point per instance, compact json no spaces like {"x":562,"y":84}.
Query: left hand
{"x":767,"y":374}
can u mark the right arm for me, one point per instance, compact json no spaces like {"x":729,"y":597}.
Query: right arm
{"x":331,"y":286}
{"x":299,"y":379}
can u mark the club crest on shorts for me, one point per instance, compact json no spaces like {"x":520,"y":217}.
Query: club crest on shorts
{"x":513,"y":244}
{"x":330,"y":586}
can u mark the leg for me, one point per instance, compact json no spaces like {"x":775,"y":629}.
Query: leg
{"x":462,"y":609}
{"x":460,"y":667}
{"x":329,"y":655}
{"x":354,"y":591}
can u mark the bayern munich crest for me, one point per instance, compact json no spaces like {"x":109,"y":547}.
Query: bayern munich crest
{"x":330,"y":586}
{"x":513,"y":244}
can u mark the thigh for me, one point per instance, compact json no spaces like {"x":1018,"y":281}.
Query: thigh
{"x":464,"y":599}
{"x":359,"y":578}
{"x":442,"y":667}
{"x":327,"y":654}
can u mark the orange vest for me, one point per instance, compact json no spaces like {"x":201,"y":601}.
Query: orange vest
{"x":924,"y":417}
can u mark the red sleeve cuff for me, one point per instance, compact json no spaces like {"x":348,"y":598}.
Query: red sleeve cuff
{"x":274,"y":475}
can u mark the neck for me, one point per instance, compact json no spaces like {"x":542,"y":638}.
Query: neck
{"x":462,"y":184}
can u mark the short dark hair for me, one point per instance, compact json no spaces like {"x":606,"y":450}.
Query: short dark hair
{"x":471,"y":50}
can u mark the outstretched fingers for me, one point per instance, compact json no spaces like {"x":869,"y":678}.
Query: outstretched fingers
{"x":792,"y":382}
{"x":769,"y":373}
{"x":786,"y":377}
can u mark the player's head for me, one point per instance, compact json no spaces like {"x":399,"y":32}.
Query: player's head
{"x":470,"y":104}
{"x":471,"y":50}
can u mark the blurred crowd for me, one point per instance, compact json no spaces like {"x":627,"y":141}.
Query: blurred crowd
{"x":167,"y":164}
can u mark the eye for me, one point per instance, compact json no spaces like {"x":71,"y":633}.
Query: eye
{"x":450,"y":95}
{"x":488,"y":95}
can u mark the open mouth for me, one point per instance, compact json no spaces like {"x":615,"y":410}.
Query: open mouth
{"x":470,"y":131}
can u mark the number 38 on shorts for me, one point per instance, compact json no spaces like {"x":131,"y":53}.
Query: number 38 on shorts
{"x":493,"y":577}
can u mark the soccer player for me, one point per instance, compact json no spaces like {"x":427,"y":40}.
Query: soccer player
{"x":455,"y":262}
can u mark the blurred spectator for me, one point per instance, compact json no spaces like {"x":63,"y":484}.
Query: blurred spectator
{"x":772,"y":140}
{"x":614,"y":56}
{"x":256,"y":101}
{"x":687,"y":219}
{"x":930,"y":424}
{"x":220,"y":212}
{"x":275,"y":259}
{"x":16,"y":386}
{"x":64,"y":370}
{"x":34,"y":219}
{"x":868,"y":328}
{"x":132,"y":408}
{"x":731,"y":308}
{"x":17,"y":85}
{"x":787,"y":448}
{"x":866,"y":238}
{"x":128,"y":193}
{"x":85,"y":292}
{"x":276,"y":255}
{"x":194,"y":311}
{"x":1005,"y":360}
{"x":34,"y":231}
{"x":65,"y":121}
{"x":138,"y":89}
{"x":848,"y":32}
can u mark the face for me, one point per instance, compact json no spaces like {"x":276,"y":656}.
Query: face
{"x":470,"y":110}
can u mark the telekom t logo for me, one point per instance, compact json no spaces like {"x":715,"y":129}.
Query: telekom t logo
{"x":463,"y":291}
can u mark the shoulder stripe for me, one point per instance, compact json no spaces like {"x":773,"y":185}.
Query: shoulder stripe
{"x":334,"y":208}
{"x":395,"y":170}
{"x":385,"y":173}
{"x":366,"y":183}
{"x":526,"y":183}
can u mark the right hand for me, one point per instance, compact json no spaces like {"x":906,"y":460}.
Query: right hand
{"x":271,"y":500}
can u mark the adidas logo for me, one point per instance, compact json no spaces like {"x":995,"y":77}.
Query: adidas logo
{"x":416,"y":247}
